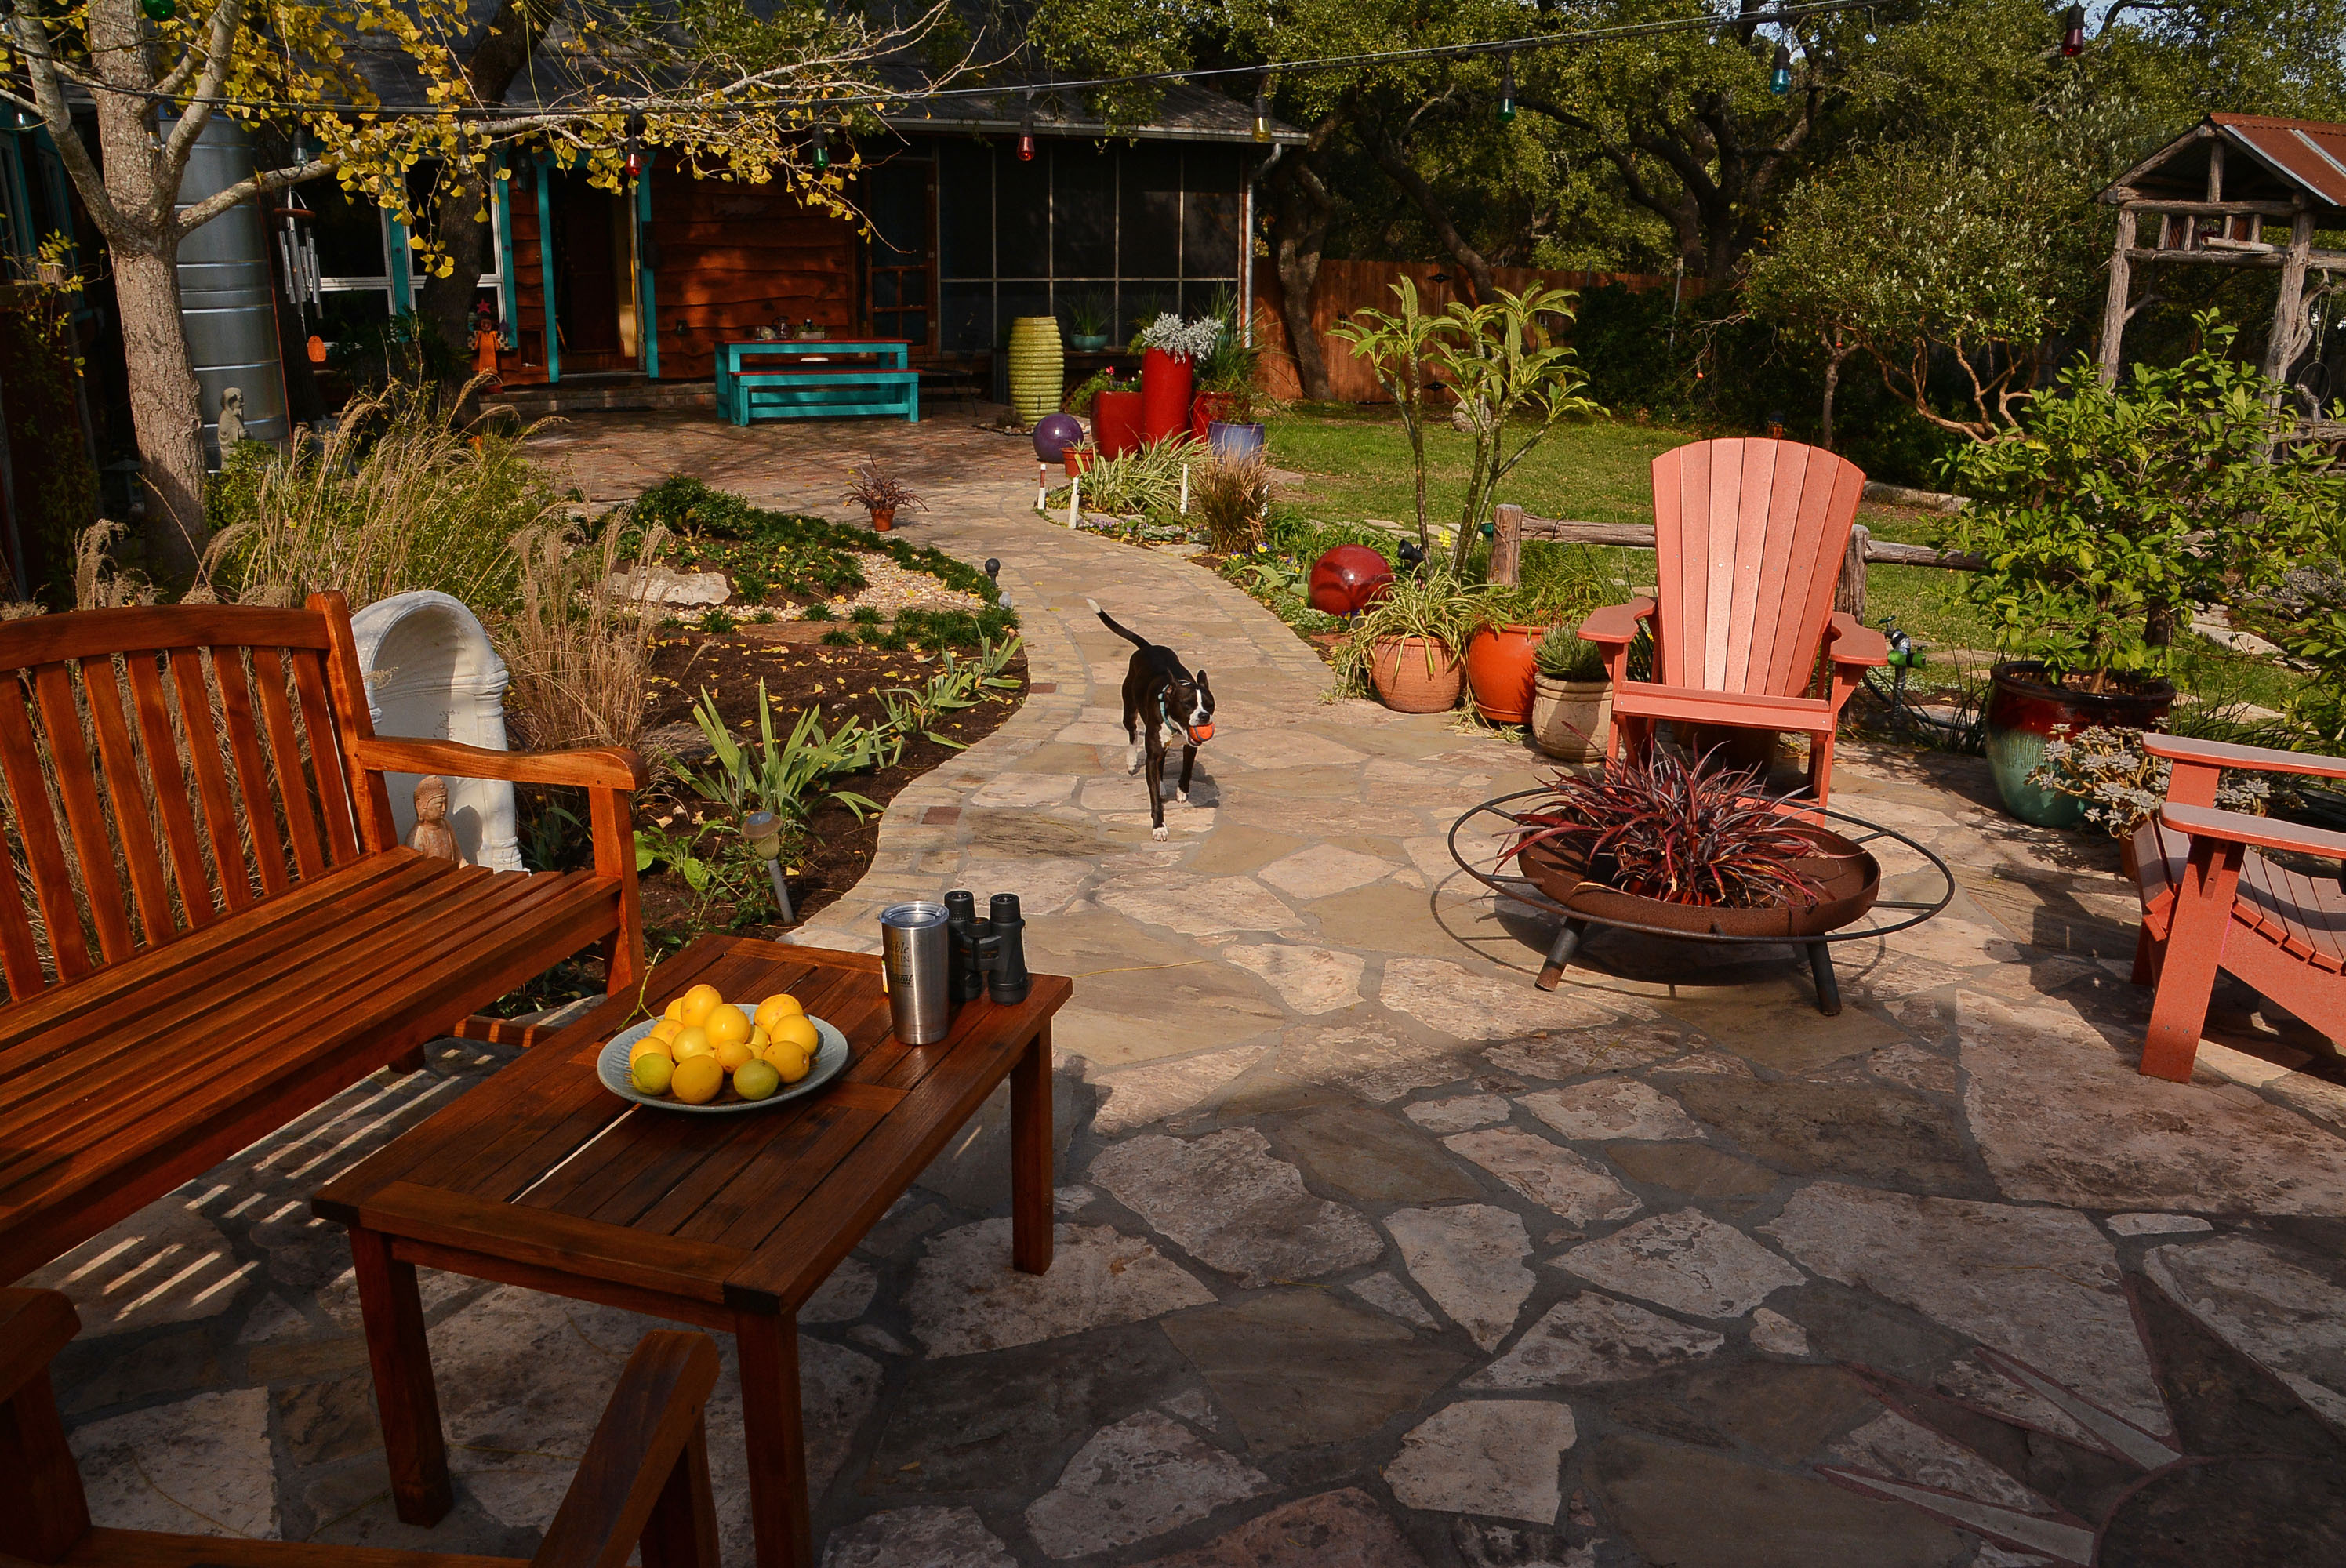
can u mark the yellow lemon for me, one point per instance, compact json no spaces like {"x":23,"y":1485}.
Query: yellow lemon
{"x":695,"y":1005}
{"x":787,"y":1060}
{"x":675,"y":1014}
{"x":728,"y":1025}
{"x":733,"y":1053}
{"x":757,"y":1080}
{"x":696,"y":1081}
{"x":794,"y":1030}
{"x":668,"y":1029}
{"x":649,"y":1047}
{"x":653,"y":1072}
{"x":781,"y":1004}
{"x":759,"y":1039}
{"x":692,"y":1041}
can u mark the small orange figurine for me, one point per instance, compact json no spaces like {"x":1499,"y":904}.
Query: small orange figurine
{"x":486,"y":341}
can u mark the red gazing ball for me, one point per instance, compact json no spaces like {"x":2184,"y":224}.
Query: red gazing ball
{"x":1348,"y":579}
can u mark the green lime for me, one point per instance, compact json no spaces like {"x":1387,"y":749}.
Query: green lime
{"x":652,"y":1072}
{"x":756,"y":1080}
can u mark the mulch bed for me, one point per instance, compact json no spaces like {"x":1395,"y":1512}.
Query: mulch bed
{"x":799,"y":675}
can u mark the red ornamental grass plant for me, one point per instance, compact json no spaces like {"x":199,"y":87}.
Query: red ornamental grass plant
{"x":1677,"y":832}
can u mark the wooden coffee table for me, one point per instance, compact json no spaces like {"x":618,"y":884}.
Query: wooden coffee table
{"x":543,"y":1178}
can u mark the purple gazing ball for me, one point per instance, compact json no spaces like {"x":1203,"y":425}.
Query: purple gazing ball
{"x":1053,"y":434}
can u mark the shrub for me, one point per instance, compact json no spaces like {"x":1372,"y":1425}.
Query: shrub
{"x":1229,"y":497}
{"x":580,"y":653}
{"x":395,"y":498}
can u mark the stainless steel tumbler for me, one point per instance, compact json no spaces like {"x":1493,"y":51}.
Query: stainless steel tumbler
{"x":915,"y":963}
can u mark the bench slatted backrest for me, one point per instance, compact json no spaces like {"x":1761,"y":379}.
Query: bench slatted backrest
{"x":1748,"y":538}
{"x":162,"y":766}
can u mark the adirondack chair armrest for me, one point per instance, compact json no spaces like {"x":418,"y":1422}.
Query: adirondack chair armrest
{"x":2184,"y":749}
{"x":609,"y":767}
{"x":645,"y":1477}
{"x":1853,"y":644}
{"x":2259,"y":833}
{"x":1618,"y":622}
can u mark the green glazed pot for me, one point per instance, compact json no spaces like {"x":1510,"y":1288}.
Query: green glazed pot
{"x":2024,"y":710}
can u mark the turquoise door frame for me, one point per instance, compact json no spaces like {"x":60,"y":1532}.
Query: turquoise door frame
{"x":402,"y":265}
{"x":507,"y":308}
{"x":546,"y":272}
{"x":647,"y":298}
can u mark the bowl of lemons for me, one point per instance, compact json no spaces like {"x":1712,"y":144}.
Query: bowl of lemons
{"x":706,"y":1053}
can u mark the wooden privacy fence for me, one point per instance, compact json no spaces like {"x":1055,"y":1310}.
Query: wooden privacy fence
{"x":1344,"y":287}
{"x":1512,"y":525}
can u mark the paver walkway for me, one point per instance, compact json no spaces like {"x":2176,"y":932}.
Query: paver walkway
{"x":1371,"y":1253}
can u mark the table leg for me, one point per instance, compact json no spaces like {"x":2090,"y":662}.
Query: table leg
{"x":393,"y":1310}
{"x":771,"y":1421}
{"x":1030,"y":1155}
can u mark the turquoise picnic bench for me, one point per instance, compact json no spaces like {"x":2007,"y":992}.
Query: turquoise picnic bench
{"x":773,"y":379}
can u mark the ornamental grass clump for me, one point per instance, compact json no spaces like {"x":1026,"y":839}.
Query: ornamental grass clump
{"x":1678,"y":832}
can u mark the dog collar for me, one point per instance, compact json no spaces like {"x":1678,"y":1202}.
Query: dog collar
{"x":1189,"y":735}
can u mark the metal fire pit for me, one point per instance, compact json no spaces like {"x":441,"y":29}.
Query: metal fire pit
{"x":1882,"y":918}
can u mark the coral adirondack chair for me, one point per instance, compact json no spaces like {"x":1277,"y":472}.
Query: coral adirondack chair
{"x":1748,"y":537}
{"x":2211,"y":901}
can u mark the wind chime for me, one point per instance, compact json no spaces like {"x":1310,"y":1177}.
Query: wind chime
{"x":297,"y":244}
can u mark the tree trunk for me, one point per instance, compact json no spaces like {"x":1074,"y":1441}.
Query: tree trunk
{"x":1414,"y":185}
{"x":1302,"y":215}
{"x":1833,"y":358}
{"x":165,"y":408}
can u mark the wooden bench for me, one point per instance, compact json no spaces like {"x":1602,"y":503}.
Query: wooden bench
{"x":2211,"y":901}
{"x":821,"y":392}
{"x":643,"y":1482}
{"x":224,"y":930}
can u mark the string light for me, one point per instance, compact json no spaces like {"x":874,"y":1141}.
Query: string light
{"x":821,"y":148}
{"x":1026,"y":130}
{"x":159,"y":10}
{"x":2072,"y":32}
{"x":1780,"y":76}
{"x":1506,"y":89}
{"x":1261,"y":112}
{"x":635,"y":144}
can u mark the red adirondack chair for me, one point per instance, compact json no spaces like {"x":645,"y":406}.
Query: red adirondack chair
{"x":1748,"y":537}
{"x":2211,"y":901}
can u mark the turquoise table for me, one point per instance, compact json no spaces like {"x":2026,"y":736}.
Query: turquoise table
{"x":760,"y":378}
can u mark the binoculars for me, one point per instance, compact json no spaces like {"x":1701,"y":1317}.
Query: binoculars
{"x":989,"y":954}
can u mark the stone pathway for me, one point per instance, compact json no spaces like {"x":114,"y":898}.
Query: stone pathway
{"x":1370,"y":1253}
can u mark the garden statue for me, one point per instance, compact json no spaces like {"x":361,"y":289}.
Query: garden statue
{"x":430,"y":674}
{"x":431,"y":835}
{"x":231,"y":421}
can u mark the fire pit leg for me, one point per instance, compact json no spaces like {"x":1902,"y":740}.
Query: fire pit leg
{"x":1828,"y":988}
{"x":1560,"y":952}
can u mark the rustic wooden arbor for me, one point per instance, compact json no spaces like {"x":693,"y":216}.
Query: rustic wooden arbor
{"x":2210,"y":194}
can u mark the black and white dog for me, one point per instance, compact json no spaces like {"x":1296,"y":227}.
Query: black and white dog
{"x":1160,"y":693}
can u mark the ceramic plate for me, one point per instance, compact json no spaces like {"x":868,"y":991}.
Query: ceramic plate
{"x":830,"y":1059}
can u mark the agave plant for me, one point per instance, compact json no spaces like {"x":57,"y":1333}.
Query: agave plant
{"x":1678,"y":832}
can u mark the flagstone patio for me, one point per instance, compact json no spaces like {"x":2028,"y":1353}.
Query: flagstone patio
{"x":1370,"y":1253}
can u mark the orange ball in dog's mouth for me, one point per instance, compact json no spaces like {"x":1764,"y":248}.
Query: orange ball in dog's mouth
{"x":1200,"y":732}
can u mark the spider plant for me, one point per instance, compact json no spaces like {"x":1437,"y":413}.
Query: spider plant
{"x":1430,"y":604}
{"x":1678,"y":832}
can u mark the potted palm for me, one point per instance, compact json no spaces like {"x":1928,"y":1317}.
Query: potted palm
{"x":2102,"y":519}
{"x":883,"y":494}
{"x":1405,"y":645}
{"x":1572,"y":698}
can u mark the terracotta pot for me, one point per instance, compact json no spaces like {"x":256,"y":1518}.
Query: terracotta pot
{"x":1846,"y":878}
{"x":2023,"y":712}
{"x":1572,"y":719}
{"x":883,"y":519}
{"x":1209,"y":408}
{"x":1500,"y":668}
{"x":1164,"y":395}
{"x":1115,"y":421}
{"x":1079,"y":460}
{"x":1398,"y":673}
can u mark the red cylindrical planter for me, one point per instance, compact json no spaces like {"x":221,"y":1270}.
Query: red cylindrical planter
{"x":1164,"y":395}
{"x":1209,"y":407}
{"x":1116,"y":423}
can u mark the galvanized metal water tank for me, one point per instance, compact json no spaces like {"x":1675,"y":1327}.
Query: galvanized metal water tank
{"x":227,"y":298}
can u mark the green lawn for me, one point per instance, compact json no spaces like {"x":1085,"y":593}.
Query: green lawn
{"x":1355,"y":464}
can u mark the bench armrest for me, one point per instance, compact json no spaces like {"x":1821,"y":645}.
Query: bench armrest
{"x":35,"y":1324}
{"x":2261,"y":758}
{"x":1849,"y":643}
{"x":612,"y":768}
{"x":2262,"y":832}
{"x":1617,"y":623}
{"x":645,"y":1478}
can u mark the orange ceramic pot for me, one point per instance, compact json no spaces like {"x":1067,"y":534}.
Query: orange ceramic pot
{"x":1501,"y":668}
{"x":883,"y":518}
{"x":1416,"y":675}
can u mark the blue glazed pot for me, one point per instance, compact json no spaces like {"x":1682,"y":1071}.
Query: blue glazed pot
{"x":1234,"y":441}
{"x":2026,"y":711}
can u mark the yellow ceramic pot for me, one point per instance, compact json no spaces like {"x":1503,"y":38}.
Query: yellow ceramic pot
{"x":1038,"y":378}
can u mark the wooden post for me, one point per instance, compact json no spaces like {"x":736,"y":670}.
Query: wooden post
{"x":2114,"y":303}
{"x":1848,"y":594}
{"x":1507,"y":544}
{"x":2287,"y":335}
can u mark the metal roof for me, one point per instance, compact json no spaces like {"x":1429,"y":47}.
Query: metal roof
{"x":2269,"y":159}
